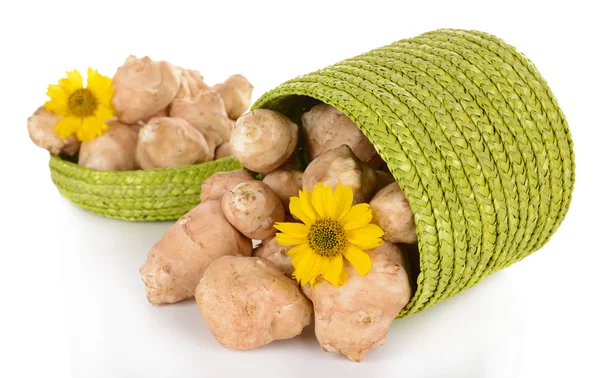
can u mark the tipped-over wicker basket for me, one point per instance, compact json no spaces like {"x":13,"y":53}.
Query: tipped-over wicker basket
{"x":473,"y":135}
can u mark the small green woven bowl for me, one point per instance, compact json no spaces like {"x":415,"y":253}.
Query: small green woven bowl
{"x":473,"y":135}
{"x":152,"y":195}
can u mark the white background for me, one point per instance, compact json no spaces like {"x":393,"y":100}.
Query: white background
{"x":72,"y":300}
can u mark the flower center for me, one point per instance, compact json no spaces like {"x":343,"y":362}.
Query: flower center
{"x":327,"y":238}
{"x":82,"y":103}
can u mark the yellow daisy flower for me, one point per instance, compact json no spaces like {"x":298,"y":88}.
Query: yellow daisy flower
{"x":84,"y":110}
{"x":331,"y":230}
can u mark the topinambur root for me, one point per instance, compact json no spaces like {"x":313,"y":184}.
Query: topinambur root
{"x":384,"y":178}
{"x":219,"y":183}
{"x":114,"y":150}
{"x":143,"y":88}
{"x":41,"y":131}
{"x":253,"y":208}
{"x":171,"y":142}
{"x":247,"y":303}
{"x":327,"y":128}
{"x":223,"y":151}
{"x":286,"y":182}
{"x":270,"y":250}
{"x":263,"y":139}
{"x":192,"y":83}
{"x":341,"y":166}
{"x":206,"y":112}
{"x":236,"y":92}
{"x":177,"y":262}
{"x":355,"y":318}
{"x":392,"y":213}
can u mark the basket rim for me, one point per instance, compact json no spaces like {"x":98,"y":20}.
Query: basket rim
{"x":57,"y":161}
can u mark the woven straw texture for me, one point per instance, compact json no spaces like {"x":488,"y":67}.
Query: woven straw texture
{"x":158,"y":194}
{"x":473,"y":135}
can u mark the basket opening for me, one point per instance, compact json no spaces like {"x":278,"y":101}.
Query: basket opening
{"x":293,"y":106}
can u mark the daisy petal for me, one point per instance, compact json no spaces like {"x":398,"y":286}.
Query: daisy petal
{"x":333,"y":274}
{"x":358,"y":258}
{"x":57,"y":106}
{"x":366,"y":237}
{"x":305,"y":265}
{"x":298,"y":250}
{"x":104,"y":112}
{"x":322,"y":200}
{"x":342,"y":200}
{"x":301,"y":207}
{"x":72,"y":82}
{"x":90,"y":128}
{"x":298,"y":230}
{"x":100,"y":86}
{"x":321,"y":266}
{"x":67,"y":126}
{"x":288,"y":241}
{"x":343,"y":276}
{"x":358,"y":215}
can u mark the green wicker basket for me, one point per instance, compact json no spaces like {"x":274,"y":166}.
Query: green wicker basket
{"x":473,"y":135}
{"x":157,"y":194}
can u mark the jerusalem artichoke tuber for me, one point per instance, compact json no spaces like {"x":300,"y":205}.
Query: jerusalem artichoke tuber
{"x":286,"y":182}
{"x":327,"y":128}
{"x":237,"y":95}
{"x":392,"y":213}
{"x":270,"y":250}
{"x":206,"y":112}
{"x":114,"y":150}
{"x":192,"y":83}
{"x":354,"y":318}
{"x":263,"y":139}
{"x":223,"y":151}
{"x":341,"y":166}
{"x":179,"y":259}
{"x":253,"y":208}
{"x":247,"y":303}
{"x":143,"y":88}
{"x":219,"y":183}
{"x":171,"y":142}
{"x":384,"y":178}
{"x":41,"y":131}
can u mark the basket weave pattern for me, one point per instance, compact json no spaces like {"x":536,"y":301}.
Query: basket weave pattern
{"x":158,"y":194}
{"x":473,"y":135}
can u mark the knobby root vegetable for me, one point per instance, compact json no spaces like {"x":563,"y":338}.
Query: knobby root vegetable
{"x":143,"y":88}
{"x":263,"y":139}
{"x":286,"y":182}
{"x":247,"y":302}
{"x":392,"y":213}
{"x":219,"y":183}
{"x":41,"y":131}
{"x":223,"y":151}
{"x":341,"y":166}
{"x":162,"y":113}
{"x":192,"y":83}
{"x":237,"y":94}
{"x":114,"y":150}
{"x":166,"y":142}
{"x":253,"y":208}
{"x":270,"y":250}
{"x":206,"y":112}
{"x":177,"y":262}
{"x":354,"y":318}
{"x":326,"y":128}
{"x":384,"y":178}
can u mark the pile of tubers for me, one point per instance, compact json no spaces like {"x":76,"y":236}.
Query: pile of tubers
{"x":247,"y":296}
{"x":166,"y":117}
